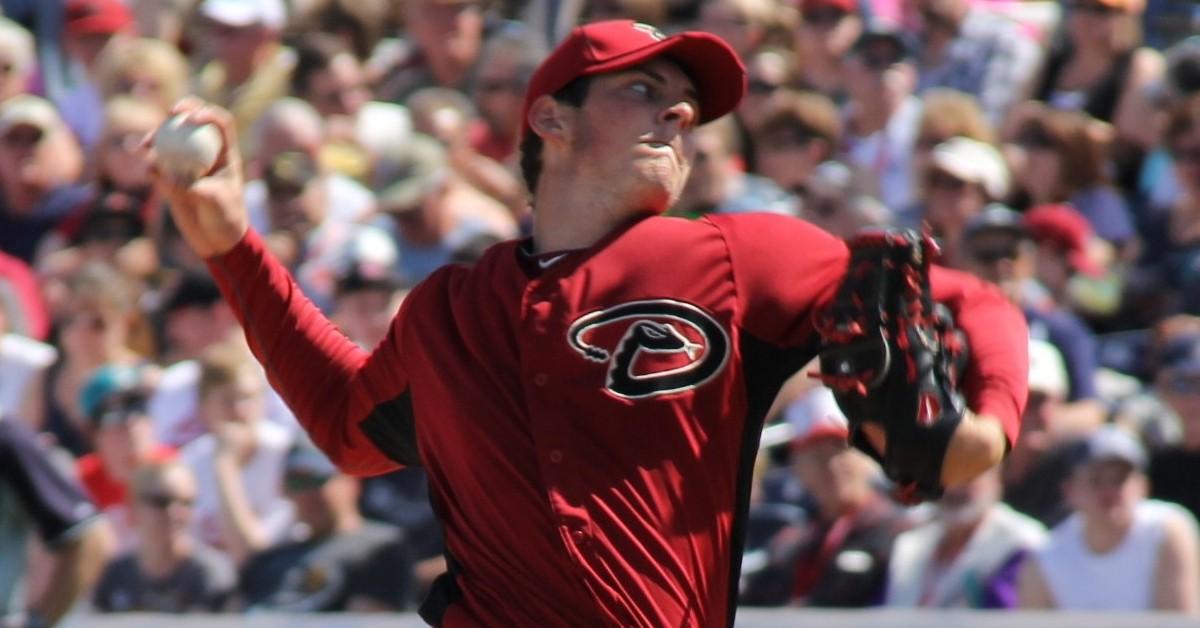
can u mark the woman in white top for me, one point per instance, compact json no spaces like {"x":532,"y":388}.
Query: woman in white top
{"x":1118,"y":551}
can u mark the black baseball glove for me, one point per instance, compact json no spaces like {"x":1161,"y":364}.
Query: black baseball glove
{"x":892,"y":356}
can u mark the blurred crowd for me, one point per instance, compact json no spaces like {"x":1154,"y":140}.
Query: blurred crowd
{"x":1052,"y":147}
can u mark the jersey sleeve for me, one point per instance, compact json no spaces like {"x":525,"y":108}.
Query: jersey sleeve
{"x":782,"y":268}
{"x":331,"y":385}
{"x":785,"y":269}
{"x":997,"y":378}
{"x":51,"y":498}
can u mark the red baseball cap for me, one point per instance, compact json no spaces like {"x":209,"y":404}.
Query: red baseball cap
{"x":96,"y":17}
{"x":613,"y":45}
{"x":849,"y":6}
{"x":1068,"y":229}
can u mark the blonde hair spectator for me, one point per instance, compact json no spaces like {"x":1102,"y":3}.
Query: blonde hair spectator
{"x":146,"y":69}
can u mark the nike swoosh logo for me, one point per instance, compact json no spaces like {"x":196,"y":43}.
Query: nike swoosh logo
{"x":547,"y":263}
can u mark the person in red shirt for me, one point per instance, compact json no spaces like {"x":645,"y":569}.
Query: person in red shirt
{"x":587,"y":402}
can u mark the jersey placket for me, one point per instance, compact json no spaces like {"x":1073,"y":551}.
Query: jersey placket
{"x":542,"y":315}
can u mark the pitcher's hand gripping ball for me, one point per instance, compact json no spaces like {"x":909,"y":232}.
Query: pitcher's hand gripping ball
{"x":184,"y":150}
{"x":893,"y":357}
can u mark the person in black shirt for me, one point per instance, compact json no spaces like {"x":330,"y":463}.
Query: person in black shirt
{"x":169,"y":571}
{"x":346,"y":563}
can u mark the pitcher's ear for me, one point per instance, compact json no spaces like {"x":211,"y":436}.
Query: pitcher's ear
{"x":547,"y":118}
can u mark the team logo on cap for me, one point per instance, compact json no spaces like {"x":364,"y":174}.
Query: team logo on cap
{"x":653,"y":347}
{"x":649,"y":30}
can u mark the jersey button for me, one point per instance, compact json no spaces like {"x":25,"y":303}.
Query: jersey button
{"x":556,"y":456}
{"x":578,"y":535}
{"x":540,"y":379}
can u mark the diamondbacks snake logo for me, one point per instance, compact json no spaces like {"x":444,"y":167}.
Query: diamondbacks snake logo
{"x":652,"y":347}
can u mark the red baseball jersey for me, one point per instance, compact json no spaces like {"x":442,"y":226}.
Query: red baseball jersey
{"x":589,"y":418}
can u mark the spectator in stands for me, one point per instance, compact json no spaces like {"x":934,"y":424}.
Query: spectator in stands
{"x":1020,"y":254}
{"x":168,"y":571}
{"x":18,"y":59}
{"x":508,"y":60}
{"x":240,"y":508}
{"x":969,"y":48}
{"x":653,"y":12}
{"x":369,"y":287}
{"x":968,"y":555}
{"x":250,"y":68}
{"x":1102,"y":70}
{"x":882,"y":115}
{"x":446,"y":40}
{"x":40,"y":169}
{"x":195,"y":319}
{"x":1172,"y":235}
{"x":1172,"y":471}
{"x":148,"y":70}
{"x":289,"y":191}
{"x":1041,"y":460}
{"x":161,"y":19}
{"x":1067,"y":247}
{"x":796,"y":132}
{"x":431,"y":211}
{"x":833,"y":202}
{"x":329,"y":77}
{"x":946,"y":113}
{"x":827,"y":31}
{"x":719,"y":182}
{"x":741,"y":23}
{"x":90,"y":26}
{"x":358,"y":23}
{"x":95,"y":325}
{"x":768,"y":72}
{"x":449,"y":116}
{"x":841,"y":557}
{"x":37,"y":495}
{"x":114,"y":401}
{"x":963,"y":176}
{"x":345,"y":563}
{"x":1119,"y":551}
{"x":1062,"y":158}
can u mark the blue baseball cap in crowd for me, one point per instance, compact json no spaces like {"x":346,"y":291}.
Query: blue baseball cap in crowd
{"x":113,"y":394}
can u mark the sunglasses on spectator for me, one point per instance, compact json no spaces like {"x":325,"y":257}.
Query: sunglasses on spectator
{"x":1186,"y":154}
{"x":1035,"y":140}
{"x":822,"y":207}
{"x":163,"y":501}
{"x":1095,"y":8}
{"x":24,"y":137}
{"x":943,"y":181}
{"x":824,"y":17}
{"x":90,"y":320}
{"x":760,"y":87}
{"x":993,"y":254}
{"x":129,"y":141}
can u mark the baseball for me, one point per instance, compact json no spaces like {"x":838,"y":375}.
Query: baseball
{"x":185,"y":150}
